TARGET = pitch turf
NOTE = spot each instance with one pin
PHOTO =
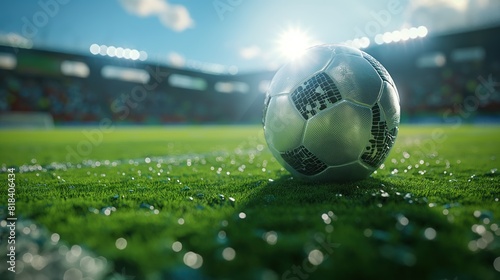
(156, 202)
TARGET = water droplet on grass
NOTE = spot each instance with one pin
(271, 237)
(121, 243)
(228, 254)
(176, 246)
(430, 233)
(315, 257)
(193, 260)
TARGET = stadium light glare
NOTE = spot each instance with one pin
(126, 53)
(405, 34)
(94, 49)
(119, 52)
(396, 36)
(134, 54)
(364, 42)
(379, 39)
(422, 31)
(103, 50)
(413, 33)
(387, 37)
(111, 51)
(143, 55)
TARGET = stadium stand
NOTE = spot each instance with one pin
(434, 75)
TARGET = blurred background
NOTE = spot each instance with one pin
(136, 62)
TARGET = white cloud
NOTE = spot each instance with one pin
(446, 15)
(175, 17)
(250, 52)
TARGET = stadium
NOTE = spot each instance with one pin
(120, 165)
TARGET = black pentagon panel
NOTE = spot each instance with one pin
(303, 161)
(380, 142)
(379, 68)
(315, 95)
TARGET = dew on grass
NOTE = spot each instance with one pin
(477, 213)
(496, 264)
(315, 257)
(221, 235)
(108, 210)
(176, 246)
(242, 215)
(221, 197)
(193, 260)
(228, 254)
(472, 245)
(402, 220)
(121, 243)
(479, 229)
(430, 233)
(26, 230)
(329, 228)
(27, 257)
(55, 238)
(271, 237)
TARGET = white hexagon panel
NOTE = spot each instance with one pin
(339, 135)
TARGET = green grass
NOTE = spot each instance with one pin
(431, 212)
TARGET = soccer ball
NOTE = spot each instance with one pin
(332, 114)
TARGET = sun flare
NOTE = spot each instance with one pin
(293, 42)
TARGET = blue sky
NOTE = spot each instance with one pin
(242, 33)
